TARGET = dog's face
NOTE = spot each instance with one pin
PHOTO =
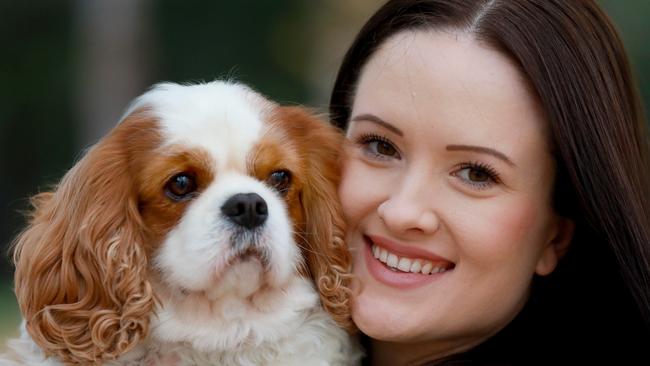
(227, 179)
(202, 192)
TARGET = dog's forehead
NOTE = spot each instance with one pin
(224, 119)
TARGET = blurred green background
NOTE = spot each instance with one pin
(70, 68)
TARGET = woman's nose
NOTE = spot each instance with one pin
(410, 209)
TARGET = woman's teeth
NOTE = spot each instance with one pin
(404, 264)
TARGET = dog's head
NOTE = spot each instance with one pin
(197, 188)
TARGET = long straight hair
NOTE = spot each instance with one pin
(576, 64)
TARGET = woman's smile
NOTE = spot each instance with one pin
(401, 266)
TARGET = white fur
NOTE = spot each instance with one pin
(223, 118)
(201, 240)
(215, 310)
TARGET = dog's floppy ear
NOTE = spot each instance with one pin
(81, 265)
(325, 250)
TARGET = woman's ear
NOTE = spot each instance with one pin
(81, 265)
(556, 247)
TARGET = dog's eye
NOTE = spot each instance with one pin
(181, 187)
(280, 180)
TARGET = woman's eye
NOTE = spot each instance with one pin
(382, 148)
(477, 175)
(280, 180)
(181, 187)
(379, 146)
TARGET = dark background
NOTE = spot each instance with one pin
(69, 68)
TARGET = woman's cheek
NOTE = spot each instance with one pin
(360, 190)
(348, 194)
(508, 229)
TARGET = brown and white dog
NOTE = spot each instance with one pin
(203, 230)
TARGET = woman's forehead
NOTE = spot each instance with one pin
(452, 85)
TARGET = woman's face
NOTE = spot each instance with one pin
(446, 189)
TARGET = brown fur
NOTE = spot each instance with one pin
(159, 213)
(315, 207)
(81, 265)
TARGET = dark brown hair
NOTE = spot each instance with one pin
(577, 66)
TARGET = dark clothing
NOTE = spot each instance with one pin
(547, 333)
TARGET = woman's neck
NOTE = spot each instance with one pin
(383, 353)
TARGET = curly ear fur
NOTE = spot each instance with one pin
(81, 264)
(326, 252)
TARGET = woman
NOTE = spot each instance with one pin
(495, 184)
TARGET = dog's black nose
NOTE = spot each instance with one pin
(246, 209)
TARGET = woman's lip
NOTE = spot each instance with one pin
(405, 251)
(396, 278)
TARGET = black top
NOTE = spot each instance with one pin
(561, 329)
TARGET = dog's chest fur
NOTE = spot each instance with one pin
(301, 333)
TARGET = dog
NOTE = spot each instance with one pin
(204, 229)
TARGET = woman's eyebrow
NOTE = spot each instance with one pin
(374, 119)
(481, 149)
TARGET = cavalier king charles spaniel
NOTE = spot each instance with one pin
(204, 229)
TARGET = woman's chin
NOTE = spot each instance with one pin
(382, 322)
